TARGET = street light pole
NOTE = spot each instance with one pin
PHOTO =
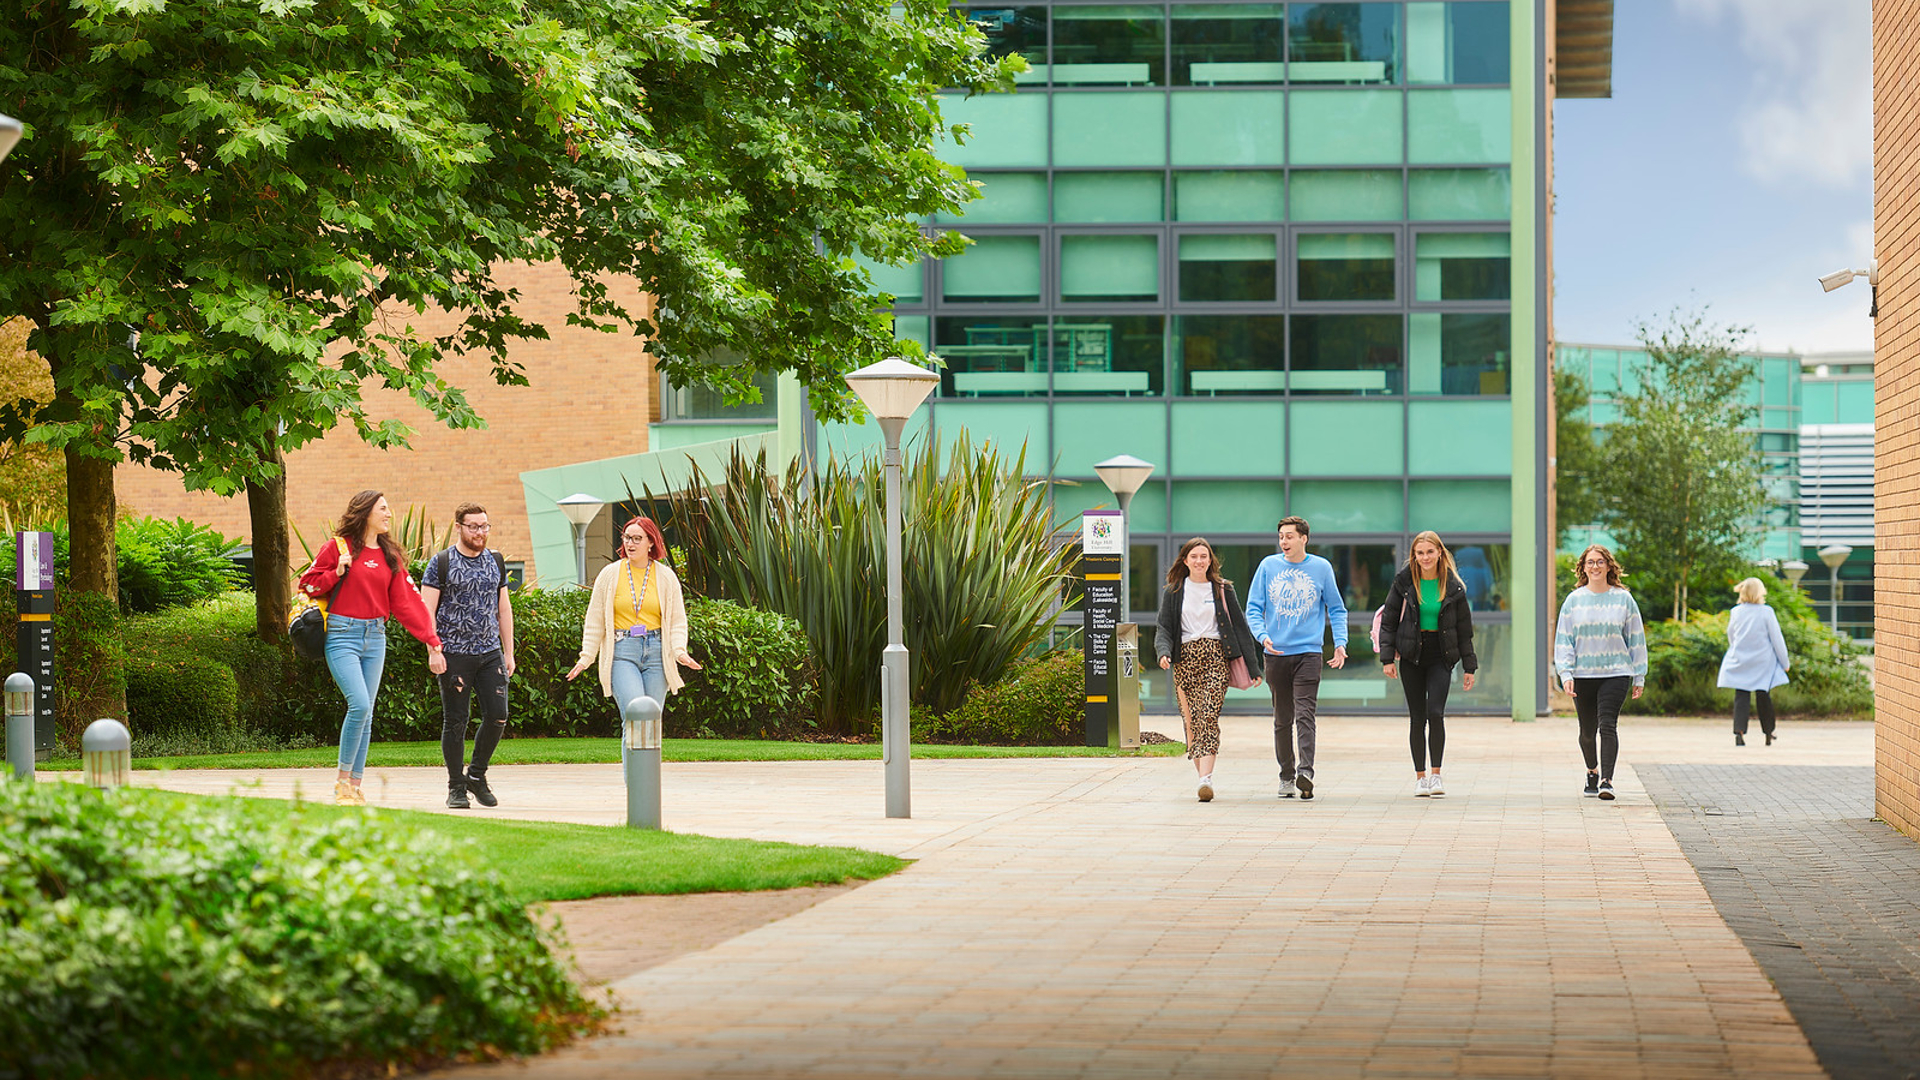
(892, 389)
(1123, 476)
(580, 509)
(1833, 555)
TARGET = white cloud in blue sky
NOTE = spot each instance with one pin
(1731, 167)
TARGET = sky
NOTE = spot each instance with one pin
(1731, 168)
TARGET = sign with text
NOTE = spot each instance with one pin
(33, 643)
(1102, 540)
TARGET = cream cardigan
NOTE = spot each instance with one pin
(597, 635)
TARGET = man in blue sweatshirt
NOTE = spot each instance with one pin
(1292, 600)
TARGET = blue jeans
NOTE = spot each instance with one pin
(639, 669)
(356, 654)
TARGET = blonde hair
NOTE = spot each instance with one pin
(1751, 591)
(1613, 565)
(1444, 568)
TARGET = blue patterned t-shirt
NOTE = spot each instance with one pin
(468, 617)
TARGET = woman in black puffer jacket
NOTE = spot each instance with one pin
(1425, 629)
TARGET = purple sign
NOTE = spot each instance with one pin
(33, 565)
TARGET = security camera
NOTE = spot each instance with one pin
(1845, 277)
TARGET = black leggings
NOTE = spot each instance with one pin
(1426, 687)
(1597, 702)
(472, 677)
(1765, 701)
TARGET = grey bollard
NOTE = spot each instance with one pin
(106, 754)
(640, 758)
(20, 690)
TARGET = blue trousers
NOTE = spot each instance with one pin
(356, 654)
(639, 669)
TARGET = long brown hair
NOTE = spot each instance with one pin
(1178, 571)
(1580, 568)
(353, 528)
(1445, 569)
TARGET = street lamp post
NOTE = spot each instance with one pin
(1123, 476)
(892, 389)
(9, 134)
(580, 510)
(1833, 555)
(1795, 570)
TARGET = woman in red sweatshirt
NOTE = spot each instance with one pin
(371, 585)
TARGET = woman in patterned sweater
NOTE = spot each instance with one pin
(1600, 650)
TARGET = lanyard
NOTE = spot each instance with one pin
(640, 597)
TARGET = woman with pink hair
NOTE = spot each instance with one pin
(636, 620)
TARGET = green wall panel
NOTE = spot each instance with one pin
(1346, 438)
(1460, 438)
(1089, 432)
(1228, 438)
(1238, 127)
(1120, 128)
(1007, 424)
(1345, 127)
(1467, 127)
(1148, 514)
(1343, 506)
(1006, 129)
(1203, 508)
(1854, 405)
(1445, 506)
(848, 441)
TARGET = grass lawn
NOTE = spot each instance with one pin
(390, 755)
(542, 860)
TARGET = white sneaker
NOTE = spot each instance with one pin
(1434, 787)
(1206, 789)
(1288, 789)
(1420, 787)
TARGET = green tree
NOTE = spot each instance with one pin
(226, 214)
(1683, 483)
(1576, 457)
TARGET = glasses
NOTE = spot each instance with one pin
(635, 539)
(476, 528)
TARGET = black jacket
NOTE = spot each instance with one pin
(1235, 635)
(1400, 624)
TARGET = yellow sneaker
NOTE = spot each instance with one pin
(344, 793)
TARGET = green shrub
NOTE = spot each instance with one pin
(1041, 701)
(160, 563)
(1683, 665)
(89, 663)
(757, 679)
(174, 693)
(155, 935)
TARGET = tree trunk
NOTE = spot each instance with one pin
(93, 568)
(272, 549)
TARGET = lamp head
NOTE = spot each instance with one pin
(579, 509)
(1123, 475)
(892, 388)
(1835, 554)
(9, 134)
(1795, 570)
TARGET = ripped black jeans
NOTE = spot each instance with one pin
(468, 676)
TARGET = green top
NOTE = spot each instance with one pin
(1429, 604)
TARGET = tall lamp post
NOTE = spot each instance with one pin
(580, 510)
(892, 389)
(1833, 555)
(1123, 476)
(9, 134)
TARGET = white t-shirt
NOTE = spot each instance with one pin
(1197, 618)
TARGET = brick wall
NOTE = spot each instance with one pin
(1896, 486)
(589, 398)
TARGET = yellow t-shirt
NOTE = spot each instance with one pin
(626, 587)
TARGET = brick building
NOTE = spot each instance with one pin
(1896, 216)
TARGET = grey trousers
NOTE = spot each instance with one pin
(1294, 682)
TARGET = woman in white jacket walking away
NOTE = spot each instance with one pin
(1756, 659)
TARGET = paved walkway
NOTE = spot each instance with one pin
(1074, 917)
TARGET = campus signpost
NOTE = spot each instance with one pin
(1103, 543)
(33, 643)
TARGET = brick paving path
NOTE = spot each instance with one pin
(1825, 898)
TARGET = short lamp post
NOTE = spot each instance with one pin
(1123, 476)
(20, 691)
(106, 754)
(1833, 555)
(580, 510)
(640, 760)
(9, 134)
(892, 389)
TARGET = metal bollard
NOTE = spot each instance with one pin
(106, 754)
(640, 758)
(20, 690)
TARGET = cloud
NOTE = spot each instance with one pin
(1809, 114)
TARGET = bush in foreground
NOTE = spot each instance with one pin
(151, 935)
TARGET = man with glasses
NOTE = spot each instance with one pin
(465, 588)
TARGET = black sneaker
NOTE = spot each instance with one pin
(457, 797)
(1606, 790)
(477, 785)
(1593, 784)
(1306, 787)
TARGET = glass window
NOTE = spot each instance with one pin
(1343, 43)
(1014, 30)
(1460, 194)
(1463, 266)
(906, 283)
(1239, 562)
(992, 355)
(1345, 354)
(1002, 130)
(1345, 266)
(1486, 569)
(913, 328)
(1014, 198)
(1446, 126)
(1229, 196)
(701, 402)
(1346, 127)
(1458, 354)
(1343, 195)
(1109, 129)
(1221, 44)
(1228, 267)
(1231, 354)
(1109, 354)
(1364, 572)
(1450, 506)
(1109, 45)
(1116, 196)
(1229, 127)
(995, 269)
(1146, 576)
(1457, 43)
(1109, 269)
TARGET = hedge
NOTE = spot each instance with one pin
(1040, 701)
